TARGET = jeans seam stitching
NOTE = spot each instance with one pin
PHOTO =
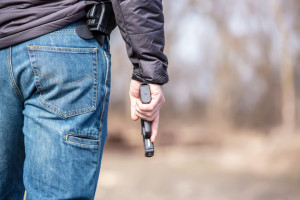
(36, 82)
(106, 91)
(102, 113)
(95, 81)
(63, 49)
(10, 68)
(66, 51)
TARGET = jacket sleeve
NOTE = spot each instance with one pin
(141, 23)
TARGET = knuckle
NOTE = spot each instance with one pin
(143, 107)
(148, 108)
(151, 107)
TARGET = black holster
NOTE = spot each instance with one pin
(100, 22)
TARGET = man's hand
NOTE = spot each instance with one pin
(150, 111)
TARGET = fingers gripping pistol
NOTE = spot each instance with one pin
(145, 97)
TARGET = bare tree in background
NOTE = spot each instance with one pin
(288, 109)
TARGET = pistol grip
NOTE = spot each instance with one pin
(145, 97)
(147, 127)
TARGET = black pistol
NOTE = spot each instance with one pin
(145, 97)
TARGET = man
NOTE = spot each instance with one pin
(55, 89)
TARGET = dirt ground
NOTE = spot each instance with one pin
(239, 168)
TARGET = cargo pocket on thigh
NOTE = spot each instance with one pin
(66, 78)
(82, 141)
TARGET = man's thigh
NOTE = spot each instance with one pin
(65, 115)
(11, 136)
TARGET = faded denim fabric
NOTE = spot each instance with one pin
(54, 93)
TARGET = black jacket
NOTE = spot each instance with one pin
(141, 23)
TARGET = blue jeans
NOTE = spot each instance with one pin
(54, 93)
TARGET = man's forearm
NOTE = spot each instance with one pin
(141, 23)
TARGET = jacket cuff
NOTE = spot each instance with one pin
(151, 72)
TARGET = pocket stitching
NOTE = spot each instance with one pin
(66, 84)
(65, 114)
(88, 145)
(34, 64)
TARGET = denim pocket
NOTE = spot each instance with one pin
(82, 141)
(66, 78)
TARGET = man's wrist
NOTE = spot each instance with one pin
(136, 78)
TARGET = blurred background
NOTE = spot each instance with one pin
(229, 129)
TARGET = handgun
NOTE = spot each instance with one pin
(145, 97)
